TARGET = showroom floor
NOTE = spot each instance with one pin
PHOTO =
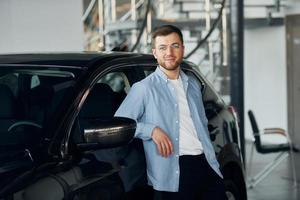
(278, 185)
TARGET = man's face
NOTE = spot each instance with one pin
(168, 51)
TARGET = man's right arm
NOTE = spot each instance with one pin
(133, 107)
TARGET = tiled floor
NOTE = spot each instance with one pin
(278, 185)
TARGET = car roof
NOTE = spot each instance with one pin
(80, 60)
(74, 59)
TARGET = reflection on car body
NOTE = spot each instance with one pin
(58, 136)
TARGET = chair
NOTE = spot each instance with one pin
(265, 143)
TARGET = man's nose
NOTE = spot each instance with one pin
(169, 50)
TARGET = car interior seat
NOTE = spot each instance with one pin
(39, 100)
(8, 111)
(100, 104)
(7, 103)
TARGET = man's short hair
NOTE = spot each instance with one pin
(165, 30)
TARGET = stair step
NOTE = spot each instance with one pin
(193, 6)
(197, 7)
(193, 1)
(188, 1)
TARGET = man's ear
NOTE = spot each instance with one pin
(154, 53)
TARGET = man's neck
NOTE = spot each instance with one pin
(171, 74)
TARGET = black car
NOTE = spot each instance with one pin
(58, 136)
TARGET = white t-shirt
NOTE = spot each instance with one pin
(189, 143)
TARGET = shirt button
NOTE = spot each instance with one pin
(175, 104)
(176, 139)
(177, 172)
(176, 121)
(177, 155)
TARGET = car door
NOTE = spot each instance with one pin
(102, 91)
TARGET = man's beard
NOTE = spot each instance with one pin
(172, 67)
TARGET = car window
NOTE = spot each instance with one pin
(103, 100)
(32, 95)
(118, 81)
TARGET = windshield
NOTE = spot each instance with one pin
(29, 97)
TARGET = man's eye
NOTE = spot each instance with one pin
(175, 46)
(162, 48)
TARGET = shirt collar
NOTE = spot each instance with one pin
(183, 76)
(160, 73)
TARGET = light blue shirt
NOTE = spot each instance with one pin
(152, 102)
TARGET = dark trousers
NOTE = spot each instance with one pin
(198, 181)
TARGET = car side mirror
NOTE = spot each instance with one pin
(99, 134)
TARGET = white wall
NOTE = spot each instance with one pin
(265, 77)
(40, 25)
(265, 73)
(293, 7)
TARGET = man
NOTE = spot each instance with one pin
(171, 121)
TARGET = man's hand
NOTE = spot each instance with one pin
(162, 141)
